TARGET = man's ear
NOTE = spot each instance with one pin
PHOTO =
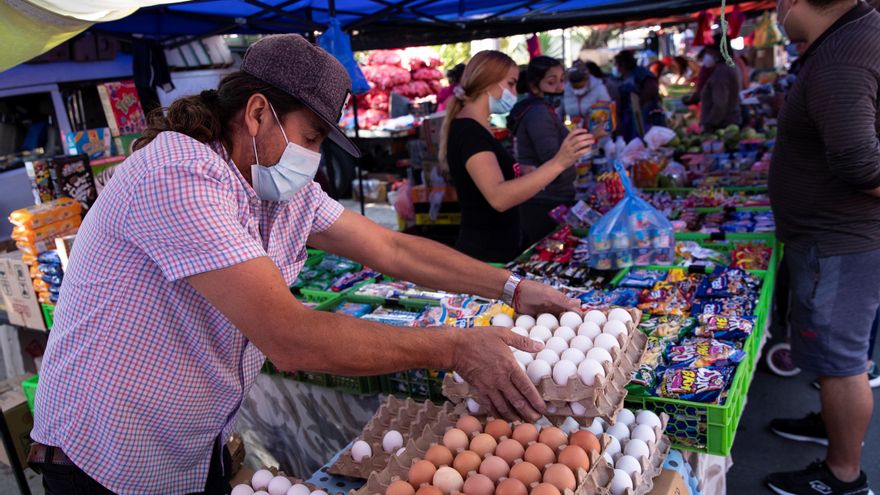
(255, 113)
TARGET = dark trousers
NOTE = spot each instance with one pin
(535, 219)
(59, 479)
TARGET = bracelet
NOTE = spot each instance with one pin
(509, 291)
(516, 298)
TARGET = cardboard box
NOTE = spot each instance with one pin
(93, 142)
(122, 107)
(669, 483)
(19, 419)
(17, 290)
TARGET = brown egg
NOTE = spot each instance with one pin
(469, 425)
(478, 484)
(525, 434)
(542, 489)
(553, 437)
(494, 467)
(574, 457)
(586, 440)
(561, 477)
(511, 486)
(455, 440)
(429, 490)
(540, 455)
(421, 472)
(439, 455)
(498, 428)
(400, 487)
(448, 480)
(526, 472)
(483, 444)
(467, 461)
(509, 450)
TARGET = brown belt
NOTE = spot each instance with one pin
(46, 454)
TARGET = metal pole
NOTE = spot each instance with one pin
(357, 135)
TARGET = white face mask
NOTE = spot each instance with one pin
(581, 91)
(295, 169)
(708, 61)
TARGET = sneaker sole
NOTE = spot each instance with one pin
(875, 382)
(780, 491)
(800, 438)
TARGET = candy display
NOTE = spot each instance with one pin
(332, 274)
(725, 327)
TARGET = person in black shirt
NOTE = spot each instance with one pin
(487, 179)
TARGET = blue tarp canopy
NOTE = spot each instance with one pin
(388, 23)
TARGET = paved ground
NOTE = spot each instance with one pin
(756, 451)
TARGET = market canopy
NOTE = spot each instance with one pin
(388, 23)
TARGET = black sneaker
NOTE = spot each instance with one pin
(817, 479)
(808, 429)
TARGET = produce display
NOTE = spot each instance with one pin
(584, 367)
(487, 456)
(413, 73)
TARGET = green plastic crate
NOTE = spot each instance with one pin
(48, 314)
(29, 387)
(419, 384)
(320, 379)
(711, 428)
(355, 385)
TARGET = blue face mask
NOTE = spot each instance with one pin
(295, 169)
(504, 104)
(615, 72)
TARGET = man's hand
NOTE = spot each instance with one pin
(534, 298)
(482, 357)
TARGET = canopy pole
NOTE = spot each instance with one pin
(357, 135)
(331, 8)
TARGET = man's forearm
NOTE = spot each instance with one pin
(337, 344)
(434, 265)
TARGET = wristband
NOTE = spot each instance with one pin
(510, 289)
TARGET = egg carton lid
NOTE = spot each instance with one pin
(431, 424)
(603, 399)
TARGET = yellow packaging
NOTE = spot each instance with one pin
(48, 232)
(37, 216)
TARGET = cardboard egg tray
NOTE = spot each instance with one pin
(277, 472)
(594, 481)
(603, 399)
(411, 419)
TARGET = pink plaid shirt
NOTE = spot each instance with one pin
(141, 373)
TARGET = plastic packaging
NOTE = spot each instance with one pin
(34, 217)
(633, 232)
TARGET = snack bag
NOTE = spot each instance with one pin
(632, 229)
(34, 217)
(725, 327)
(702, 353)
(695, 384)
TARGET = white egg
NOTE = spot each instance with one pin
(523, 357)
(644, 433)
(525, 321)
(319, 492)
(473, 406)
(573, 355)
(261, 492)
(645, 417)
(599, 354)
(570, 319)
(581, 343)
(597, 427)
(619, 431)
(596, 317)
(548, 321)
(540, 332)
(552, 409)
(563, 370)
(588, 370)
(538, 369)
(620, 483)
(360, 451)
(620, 314)
(615, 328)
(298, 489)
(626, 417)
(549, 356)
(242, 490)
(392, 441)
(502, 320)
(577, 409)
(564, 333)
(608, 459)
(279, 485)
(260, 480)
(457, 378)
(613, 447)
(637, 449)
(629, 464)
(556, 345)
(400, 451)
(520, 331)
(606, 341)
(589, 329)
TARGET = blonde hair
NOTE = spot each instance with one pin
(484, 70)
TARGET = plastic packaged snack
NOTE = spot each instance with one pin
(353, 309)
(695, 384)
(725, 327)
(46, 233)
(702, 353)
(34, 217)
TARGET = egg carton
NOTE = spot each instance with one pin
(598, 479)
(411, 419)
(603, 399)
(293, 480)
